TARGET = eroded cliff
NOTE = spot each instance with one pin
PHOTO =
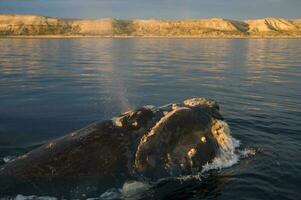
(28, 25)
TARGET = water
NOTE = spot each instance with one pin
(49, 87)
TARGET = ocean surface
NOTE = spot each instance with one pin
(50, 87)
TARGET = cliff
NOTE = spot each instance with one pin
(273, 26)
(297, 22)
(33, 25)
(28, 25)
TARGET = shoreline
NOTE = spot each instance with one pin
(142, 37)
(34, 26)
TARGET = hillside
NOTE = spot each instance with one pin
(297, 22)
(28, 25)
(33, 25)
(273, 26)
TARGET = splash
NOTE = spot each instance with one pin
(229, 154)
(7, 159)
(32, 197)
(245, 153)
(131, 190)
(226, 158)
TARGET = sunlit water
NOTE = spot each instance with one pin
(50, 87)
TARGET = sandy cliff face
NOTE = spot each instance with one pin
(32, 25)
(272, 25)
(92, 27)
(297, 22)
(200, 27)
(14, 25)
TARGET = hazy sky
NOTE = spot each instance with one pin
(129, 9)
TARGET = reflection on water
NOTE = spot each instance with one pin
(52, 86)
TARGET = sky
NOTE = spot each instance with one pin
(168, 9)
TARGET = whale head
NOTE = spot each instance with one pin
(188, 136)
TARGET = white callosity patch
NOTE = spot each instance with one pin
(203, 140)
(117, 121)
(221, 133)
(199, 102)
(191, 153)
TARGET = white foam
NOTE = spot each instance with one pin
(7, 159)
(133, 190)
(226, 158)
(110, 194)
(245, 153)
(33, 197)
(228, 155)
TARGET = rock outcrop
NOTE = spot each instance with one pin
(92, 27)
(33, 25)
(28, 25)
(215, 26)
(297, 22)
(273, 26)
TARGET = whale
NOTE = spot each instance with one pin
(147, 143)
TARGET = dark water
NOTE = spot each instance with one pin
(50, 87)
